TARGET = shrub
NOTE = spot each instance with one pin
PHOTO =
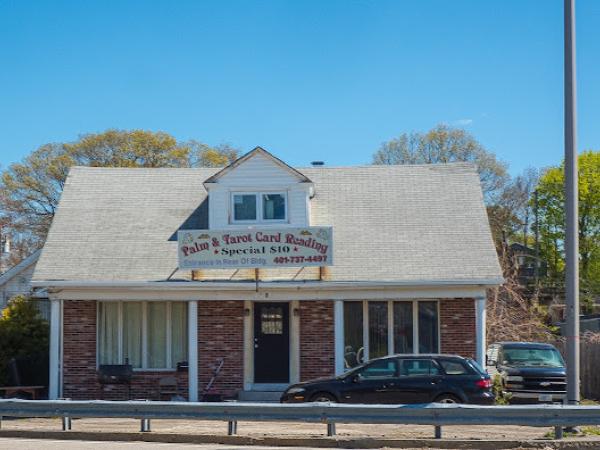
(24, 335)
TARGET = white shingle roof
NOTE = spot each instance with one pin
(391, 223)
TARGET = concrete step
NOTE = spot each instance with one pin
(259, 396)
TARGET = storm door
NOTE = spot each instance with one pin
(271, 343)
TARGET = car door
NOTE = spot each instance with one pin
(419, 381)
(371, 383)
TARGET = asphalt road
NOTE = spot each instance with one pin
(53, 444)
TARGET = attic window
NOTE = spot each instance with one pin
(262, 207)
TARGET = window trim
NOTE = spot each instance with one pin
(391, 343)
(144, 337)
(258, 196)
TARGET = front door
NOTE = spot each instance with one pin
(271, 343)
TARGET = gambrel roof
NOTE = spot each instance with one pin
(405, 224)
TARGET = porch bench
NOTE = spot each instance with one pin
(32, 390)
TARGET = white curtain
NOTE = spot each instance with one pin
(178, 332)
(132, 333)
(157, 335)
(108, 334)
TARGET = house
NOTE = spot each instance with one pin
(526, 261)
(285, 274)
(17, 281)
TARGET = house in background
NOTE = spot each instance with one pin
(17, 281)
(172, 270)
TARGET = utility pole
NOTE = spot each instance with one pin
(536, 267)
(571, 203)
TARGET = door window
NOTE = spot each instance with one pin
(418, 368)
(380, 369)
(271, 320)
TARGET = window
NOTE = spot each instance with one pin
(379, 328)
(353, 334)
(244, 207)
(147, 335)
(418, 368)
(453, 368)
(379, 369)
(262, 207)
(428, 327)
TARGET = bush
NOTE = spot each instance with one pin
(24, 337)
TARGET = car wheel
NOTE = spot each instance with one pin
(447, 398)
(323, 397)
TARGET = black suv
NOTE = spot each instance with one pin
(401, 379)
(531, 372)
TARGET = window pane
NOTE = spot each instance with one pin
(428, 327)
(403, 327)
(378, 329)
(132, 333)
(178, 332)
(353, 334)
(273, 207)
(157, 333)
(244, 207)
(380, 369)
(108, 333)
(418, 368)
(271, 320)
(454, 368)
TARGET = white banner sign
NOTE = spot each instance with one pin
(252, 248)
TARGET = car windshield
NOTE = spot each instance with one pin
(523, 356)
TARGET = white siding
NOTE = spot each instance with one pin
(19, 284)
(258, 174)
(258, 171)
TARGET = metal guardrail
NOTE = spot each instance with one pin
(434, 414)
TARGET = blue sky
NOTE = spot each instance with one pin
(307, 80)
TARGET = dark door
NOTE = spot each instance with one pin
(420, 381)
(271, 343)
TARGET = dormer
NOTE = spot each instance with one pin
(258, 189)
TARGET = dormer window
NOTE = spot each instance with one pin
(259, 207)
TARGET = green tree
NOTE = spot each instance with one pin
(23, 334)
(30, 190)
(551, 200)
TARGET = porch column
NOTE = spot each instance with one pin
(54, 376)
(480, 319)
(193, 350)
(338, 317)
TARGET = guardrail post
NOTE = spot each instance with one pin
(66, 423)
(558, 432)
(145, 425)
(331, 429)
(66, 420)
(438, 431)
(231, 427)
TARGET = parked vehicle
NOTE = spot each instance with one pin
(530, 372)
(401, 379)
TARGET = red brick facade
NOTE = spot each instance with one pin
(79, 374)
(221, 335)
(317, 348)
(457, 326)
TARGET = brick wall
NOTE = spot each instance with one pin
(317, 349)
(221, 335)
(457, 323)
(79, 375)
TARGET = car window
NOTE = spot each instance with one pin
(454, 368)
(418, 367)
(379, 369)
